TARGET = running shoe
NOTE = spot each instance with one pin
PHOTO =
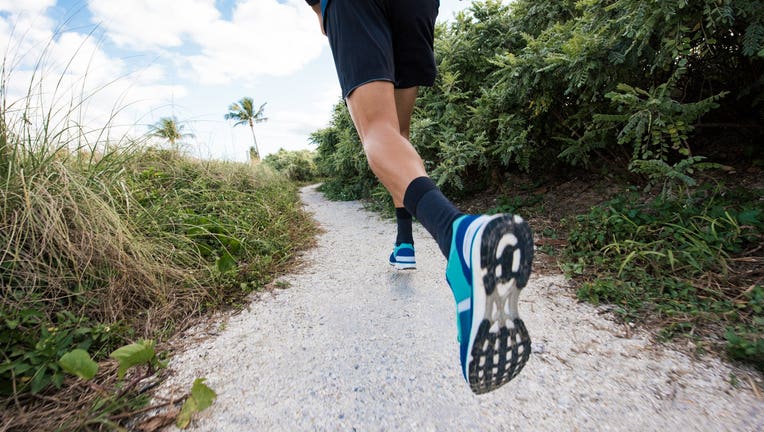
(403, 257)
(488, 266)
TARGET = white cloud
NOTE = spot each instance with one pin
(448, 8)
(29, 6)
(80, 55)
(317, 112)
(264, 37)
(23, 38)
(290, 129)
(145, 24)
(68, 79)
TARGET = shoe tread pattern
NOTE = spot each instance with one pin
(500, 351)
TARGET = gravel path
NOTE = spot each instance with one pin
(355, 345)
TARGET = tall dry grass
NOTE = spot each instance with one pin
(67, 238)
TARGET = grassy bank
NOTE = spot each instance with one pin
(102, 247)
(688, 266)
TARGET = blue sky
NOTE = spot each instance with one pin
(139, 60)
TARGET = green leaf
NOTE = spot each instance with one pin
(225, 262)
(201, 398)
(203, 394)
(58, 379)
(18, 368)
(184, 418)
(134, 354)
(40, 380)
(79, 363)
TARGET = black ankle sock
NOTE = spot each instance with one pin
(424, 200)
(404, 226)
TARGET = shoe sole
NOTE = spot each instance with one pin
(499, 344)
(405, 266)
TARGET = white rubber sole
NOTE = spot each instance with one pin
(499, 344)
(403, 266)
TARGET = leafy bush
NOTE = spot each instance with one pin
(744, 341)
(299, 166)
(604, 84)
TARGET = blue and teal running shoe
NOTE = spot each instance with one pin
(403, 257)
(488, 266)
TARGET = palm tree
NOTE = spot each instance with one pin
(253, 156)
(244, 113)
(168, 128)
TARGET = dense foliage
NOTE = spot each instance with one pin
(299, 165)
(601, 84)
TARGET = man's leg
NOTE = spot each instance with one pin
(489, 257)
(396, 163)
(404, 106)
(403, 256)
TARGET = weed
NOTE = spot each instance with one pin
(200, 399)
(734, 380)
(282, 284)
(676, 260)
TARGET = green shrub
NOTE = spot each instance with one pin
(745, 341)
(299, 166)
(610, 85)
(89, 265)
(101, 242)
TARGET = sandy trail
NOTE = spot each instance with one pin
(355, 345)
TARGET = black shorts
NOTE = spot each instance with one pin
(382, 40)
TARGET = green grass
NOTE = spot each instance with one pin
(107, 242)
(686, 264)
(93, 265)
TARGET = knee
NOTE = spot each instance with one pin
(377, 133)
